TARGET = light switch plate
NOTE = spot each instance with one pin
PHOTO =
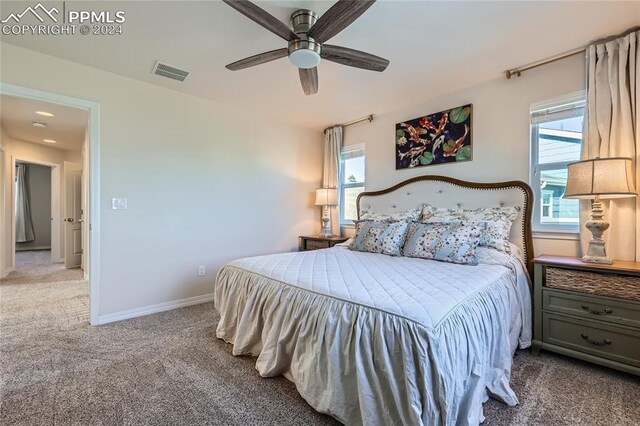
(119, 203)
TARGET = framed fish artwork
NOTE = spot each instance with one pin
(443, 137)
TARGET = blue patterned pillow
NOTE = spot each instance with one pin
(447, 242)
(407, 215)
(498, 222)
(379, 237)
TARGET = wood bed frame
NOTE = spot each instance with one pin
(524, 240)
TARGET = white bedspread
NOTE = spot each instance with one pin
(374, 339)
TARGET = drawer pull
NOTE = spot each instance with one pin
(605, 312)
(595, 342)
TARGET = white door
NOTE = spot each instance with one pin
(73, 215)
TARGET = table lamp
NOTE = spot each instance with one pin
(600, 178)
(326, 197)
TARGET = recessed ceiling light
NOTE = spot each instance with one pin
(44, 113)
(38, 124)
(49, 141)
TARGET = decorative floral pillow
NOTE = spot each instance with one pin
(379, 237)
(498, 222)
(407, 216)
(447, 242)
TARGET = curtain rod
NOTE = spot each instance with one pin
(349, 123)
(517, 72)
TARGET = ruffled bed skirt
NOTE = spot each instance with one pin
(362, 365)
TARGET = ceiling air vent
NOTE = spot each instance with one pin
(169, 71)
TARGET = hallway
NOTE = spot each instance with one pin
(36, 267)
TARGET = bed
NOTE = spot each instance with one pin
(374, 339)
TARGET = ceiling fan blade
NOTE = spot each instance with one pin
(309, 80)
(263, 18)
(258, 59)
(337, 18)
(353, 58)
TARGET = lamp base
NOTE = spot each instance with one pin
(594, 259)
(326, 224)
(597, 252)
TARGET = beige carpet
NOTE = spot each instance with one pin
(36, 267)
(169, 369)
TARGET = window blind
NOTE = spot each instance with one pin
(352, 152)
(561, 112)
(568, 107)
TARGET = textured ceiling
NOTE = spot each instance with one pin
(434, 48)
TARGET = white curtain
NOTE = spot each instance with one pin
(24, 224)
(612, 129)
(331, 173)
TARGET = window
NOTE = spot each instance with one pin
(547, 205)
(351, 184)
(556, 140)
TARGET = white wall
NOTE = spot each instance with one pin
(500, 133)
(5, 261)
(38, 179)
(205, 183)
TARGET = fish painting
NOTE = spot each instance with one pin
(443, 137)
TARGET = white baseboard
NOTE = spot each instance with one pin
(154, 309)
(6, 272)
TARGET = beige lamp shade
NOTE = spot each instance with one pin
(603, 177)
(326, 197)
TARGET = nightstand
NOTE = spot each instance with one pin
(588, 311)
(315, 242)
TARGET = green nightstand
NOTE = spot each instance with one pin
(588, 311)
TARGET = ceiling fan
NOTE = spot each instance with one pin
(307, 39)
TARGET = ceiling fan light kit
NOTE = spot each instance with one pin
(306, 46)
(304, 52)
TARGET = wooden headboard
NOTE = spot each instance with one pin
(446, 192)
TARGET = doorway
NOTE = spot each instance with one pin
(78, 197)
(34, 214)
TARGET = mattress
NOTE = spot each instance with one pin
(375, 339)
